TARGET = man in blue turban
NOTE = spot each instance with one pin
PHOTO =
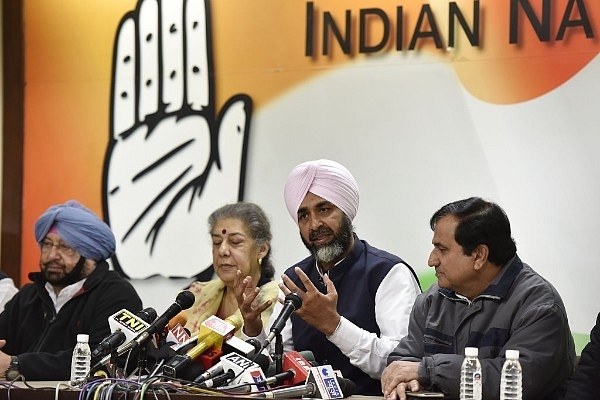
(74, 292)
(77, 230)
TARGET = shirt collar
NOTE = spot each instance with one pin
(499, 287)
(66, 294)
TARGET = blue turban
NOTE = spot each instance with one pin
(79, 228)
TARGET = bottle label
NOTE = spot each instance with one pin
(477, 387)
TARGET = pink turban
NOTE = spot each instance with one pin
(324, 178)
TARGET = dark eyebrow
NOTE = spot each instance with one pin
(318, 205)
(325, 203)
(60, 241)
(438, 245)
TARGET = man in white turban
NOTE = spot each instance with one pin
(356, 299)
(74, 292)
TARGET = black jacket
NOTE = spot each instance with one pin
(44, 340)
(585, 382)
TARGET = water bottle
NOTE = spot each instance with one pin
(470, 375)
(80, 363)
(511, 378)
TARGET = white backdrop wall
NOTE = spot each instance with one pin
(412, 155)
(418, 127)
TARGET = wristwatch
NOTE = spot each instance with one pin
(13, 369)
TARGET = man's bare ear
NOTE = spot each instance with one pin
(480, 254)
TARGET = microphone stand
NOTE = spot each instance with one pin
(142, 361)
(112, 364)
(278, 356)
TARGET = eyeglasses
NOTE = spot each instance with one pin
(62, 248)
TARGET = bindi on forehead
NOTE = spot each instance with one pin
(224, 231)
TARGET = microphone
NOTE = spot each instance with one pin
(175, 333)
(280, 378)
(309, 389)
(246, 373)
(148, 314)
(275, 380)
(291, 303)
(184, 300)
(236, 345)
(294, 361)
(348, 387)
(246, 348)
(329, 385)
(108, 344)
(256, 343)
(218, 380)
(217, 330)
(306, 357)
(179, 319)
(124, 325)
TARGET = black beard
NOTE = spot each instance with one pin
(72, 277)
(331, 252)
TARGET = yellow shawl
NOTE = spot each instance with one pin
(208, 299)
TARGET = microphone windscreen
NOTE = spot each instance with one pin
(185, 299)
(161, 353)
(263, 362)
(255, 343)
(191, 371)
(308, 356)
(348, 387)
(147, 314)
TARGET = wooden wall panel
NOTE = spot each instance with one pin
(12, 136)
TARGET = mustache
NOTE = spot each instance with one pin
(314, 235)
(53, 264)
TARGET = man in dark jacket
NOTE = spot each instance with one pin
(585, 382)
(485, 297)
(75, 292)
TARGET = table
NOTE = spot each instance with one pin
(47, 391)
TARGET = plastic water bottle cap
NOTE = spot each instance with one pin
(83, 337)
(512, 354)
(471, 351)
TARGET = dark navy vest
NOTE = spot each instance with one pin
(356, 279)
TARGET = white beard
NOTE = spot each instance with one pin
(329, 253)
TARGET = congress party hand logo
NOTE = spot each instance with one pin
(173, 157)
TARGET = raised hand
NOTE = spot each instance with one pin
(171, 159)
(247, 298)
(318, 310)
